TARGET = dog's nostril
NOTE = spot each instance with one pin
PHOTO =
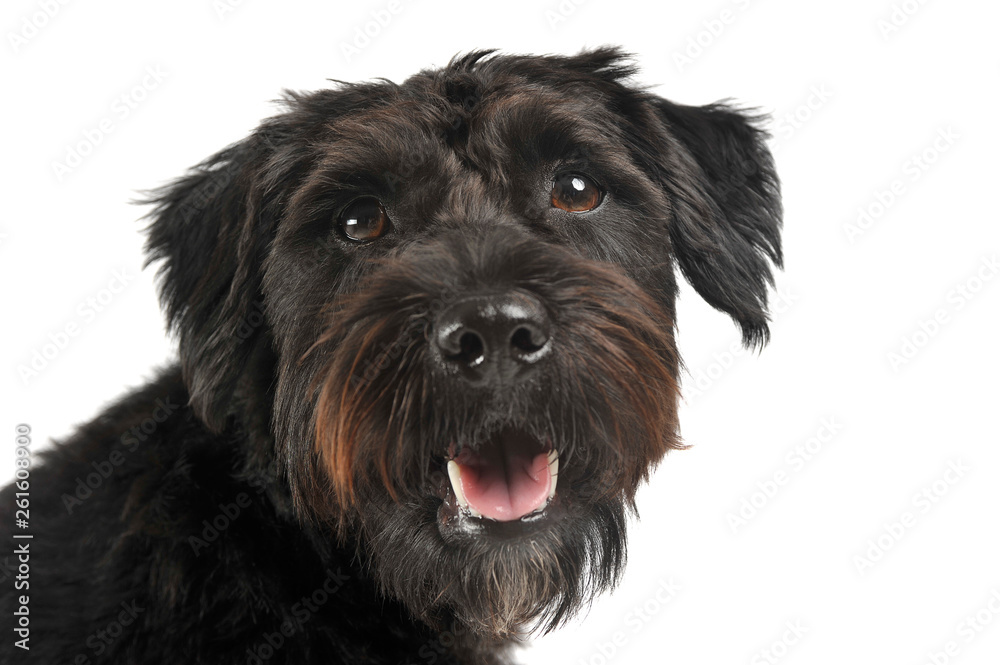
(528, 339)
(471, 349)
(461, 344)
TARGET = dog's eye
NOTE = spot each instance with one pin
(364, 219)
(574, 192)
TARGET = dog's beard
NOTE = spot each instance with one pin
(494, 588)
(384, 423)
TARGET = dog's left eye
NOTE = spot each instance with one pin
(575, 192)
(364, 219)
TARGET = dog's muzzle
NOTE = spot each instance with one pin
(473, 383)
(496, 341)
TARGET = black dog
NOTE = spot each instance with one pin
(426, 359)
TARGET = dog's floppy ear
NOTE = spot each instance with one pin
(726, 222)
(210, 229)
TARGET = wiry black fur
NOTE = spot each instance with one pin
(306, 396)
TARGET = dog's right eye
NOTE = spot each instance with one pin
(575, 192)
(364, 219)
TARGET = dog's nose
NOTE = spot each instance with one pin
(493, 338)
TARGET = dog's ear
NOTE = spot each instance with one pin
(726, 223)
(211, 230)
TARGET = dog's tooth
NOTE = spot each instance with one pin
(455, 475)
(553, 471)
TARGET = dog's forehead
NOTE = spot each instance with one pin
(483, 124)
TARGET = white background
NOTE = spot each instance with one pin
(856, 99)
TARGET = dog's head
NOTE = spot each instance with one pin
(447, 306)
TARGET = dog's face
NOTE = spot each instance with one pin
(443, 313)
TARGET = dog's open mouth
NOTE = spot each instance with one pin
(509, 476)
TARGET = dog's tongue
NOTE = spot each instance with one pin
(505, 479)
